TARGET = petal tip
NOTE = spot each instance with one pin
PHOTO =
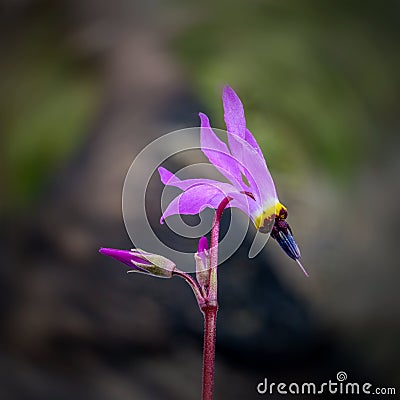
(105, 251)
(203, 244)
(204, 119)
(227, 89)
(165, 175)
(229, 93)
(161, 170)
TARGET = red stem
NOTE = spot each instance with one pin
(213, 291)
(211, 308)
(210, 329)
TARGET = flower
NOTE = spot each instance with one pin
(142, 262)
(250, 188)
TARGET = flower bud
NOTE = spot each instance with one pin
(202, 258)
(143, 262)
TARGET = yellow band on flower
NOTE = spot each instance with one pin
(265, 220)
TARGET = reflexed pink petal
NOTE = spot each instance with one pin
(245, 149)
(194, 200)
(218, 153)
(221, 189)
(236, 124)
(249, 138)
(197, 198)
(168, 178)
(233, 113)
(256, 171)
(234, 120)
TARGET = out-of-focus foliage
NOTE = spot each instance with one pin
(46, 102)
(316, 77)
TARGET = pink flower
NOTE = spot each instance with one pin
(250, 187)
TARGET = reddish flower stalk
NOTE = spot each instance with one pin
(210, 309)
(212, 297)
(197, 290)
(210, 329)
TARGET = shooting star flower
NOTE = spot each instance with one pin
(251, 187)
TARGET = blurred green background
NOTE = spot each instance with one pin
(320, 81)
(85, 85)
(320, 78)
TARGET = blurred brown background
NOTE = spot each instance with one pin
(85, 85)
